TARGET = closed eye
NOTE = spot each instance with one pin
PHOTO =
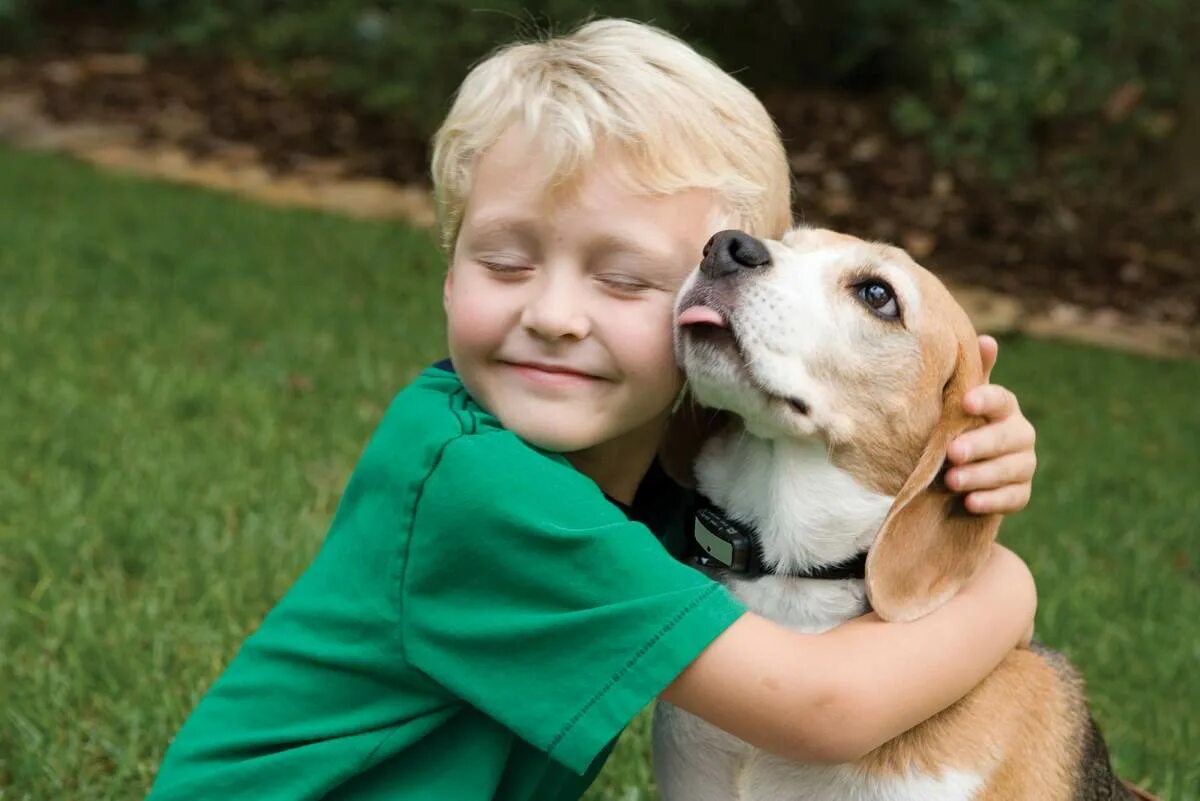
(503, 267)
(624, 283)
(879, 297)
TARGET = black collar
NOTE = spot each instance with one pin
(721, 543)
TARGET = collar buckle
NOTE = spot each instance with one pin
(718, 539)
(720, 543)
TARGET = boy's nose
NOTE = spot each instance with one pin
(731, 251)
(554, 312)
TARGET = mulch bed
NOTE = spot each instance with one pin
(1126, 244)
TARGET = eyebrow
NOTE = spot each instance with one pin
(525, 228)
(490, 226)
(614, 243)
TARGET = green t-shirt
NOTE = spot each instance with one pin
(480, 623)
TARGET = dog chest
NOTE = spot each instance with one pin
(805, 605)
(773, 779)
(695, 761)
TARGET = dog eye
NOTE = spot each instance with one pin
(880, 298)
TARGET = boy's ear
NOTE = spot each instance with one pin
(688, 428)
(446, 289)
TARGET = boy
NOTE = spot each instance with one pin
(484, 617)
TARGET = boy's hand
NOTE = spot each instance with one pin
(996, 460)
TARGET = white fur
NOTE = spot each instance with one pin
(694, 761)
(805, 336)
(808, 513)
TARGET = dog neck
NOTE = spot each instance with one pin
(807, 511)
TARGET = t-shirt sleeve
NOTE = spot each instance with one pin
(531, 597)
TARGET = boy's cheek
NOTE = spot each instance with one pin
(649, 344)
(471, 333)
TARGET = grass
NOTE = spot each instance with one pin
(188, 380)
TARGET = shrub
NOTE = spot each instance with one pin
(979, 78)
(16, 25)
(997, 71)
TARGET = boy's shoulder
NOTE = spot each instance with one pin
(426, 416)
(434, 426)
(435, 405)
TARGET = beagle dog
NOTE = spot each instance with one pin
(842, 365)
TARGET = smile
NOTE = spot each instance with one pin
(551, 375)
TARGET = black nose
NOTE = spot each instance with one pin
(730, 251)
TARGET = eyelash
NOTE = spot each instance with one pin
(624, 283)
(501, 268)
(619, 283)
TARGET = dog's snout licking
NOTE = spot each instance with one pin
(701, 315)
(730, 252)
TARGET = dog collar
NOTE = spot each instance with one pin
(721, 543)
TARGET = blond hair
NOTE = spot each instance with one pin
(681, 121)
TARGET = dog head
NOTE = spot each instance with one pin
(824, 336)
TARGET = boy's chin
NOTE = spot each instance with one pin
(558, 438)
(567, 433)
(573, 428)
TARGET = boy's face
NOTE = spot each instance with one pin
(560, 313)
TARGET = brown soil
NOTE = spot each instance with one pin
(1118, 254)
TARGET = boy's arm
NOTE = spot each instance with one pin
(836, 696)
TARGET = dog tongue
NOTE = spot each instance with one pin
(701, 315)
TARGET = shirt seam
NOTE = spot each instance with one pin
(457, 405)
(616, 678)
(459, 394)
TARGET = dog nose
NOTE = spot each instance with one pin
(730, 251)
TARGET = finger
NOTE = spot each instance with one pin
(1003, 501)
(991, 401)
(1013, 435)
(1014, 468)
(989, 349)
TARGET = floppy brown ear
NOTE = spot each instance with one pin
(688, 429)
(929, 544)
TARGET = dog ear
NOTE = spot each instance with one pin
(929, 545)
(688, 428)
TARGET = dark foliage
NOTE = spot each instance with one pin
(985, 81)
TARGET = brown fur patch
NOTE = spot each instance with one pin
(892, 422)
(891, 431)
(1020, 730)
(929, 545)
(1024, 729)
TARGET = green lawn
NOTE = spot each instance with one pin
(188, 379)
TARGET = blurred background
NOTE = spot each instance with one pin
(189, 374)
